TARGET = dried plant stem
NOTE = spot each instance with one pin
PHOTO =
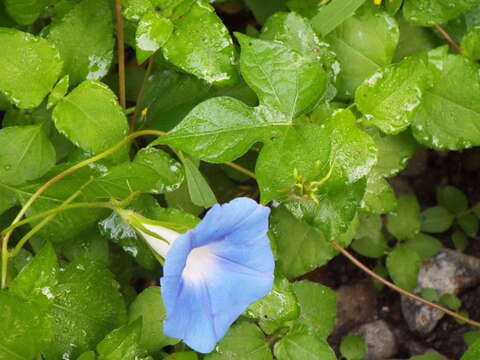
(357, 263)
(120, 53)
(448, 38)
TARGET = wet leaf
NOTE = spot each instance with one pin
(449, 114)
(428, 12)
(302, 346)
(153, 32)
(26, 153)
(29, 68)
(93, 126)
(282, 77)
(405, 222)
(389, 98)
(403, 265)
(87, 307)
(84, 37)
(363, 43)
(243, 340)
(201, 45)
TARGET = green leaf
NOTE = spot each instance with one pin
(334, 14)
(201, 45)
(66, 224)
(169, 96)
(26, 153)
(25, 331)
(452, 199)
(7, 199)
(244, 340)
(263, 9)
(403, 265)
(121, 180)
(58, 92)
(436, 219)
(424, 245)
(379, 196)
(89, 244)
(84, 37)
(25, 12)
(93, 126)
(38, 278)
(334, 212)
(428, 356)
(282, 78)
(405, 222)
(222, 129)
(469, 223)
(473, 352)
(353, 347)
(183, 355)
(369, 239)
(169, 171)
(277, 307)
(451, 301)
(303, 347)
(363, 43)
(29, 68)
(148, 306)
(122, 343)
(317, 305)
(470, 44)
(200, 192)
(306, 8)
(428, 12)
(89, 355)
(153, 32)
(436, 123)
(470, 337)
(301, 156)
(308, 251)
(429, 294)
(459, 240)
(413, 39)
(389, 98)
(87, 306)
(296, 32)
(353, 152)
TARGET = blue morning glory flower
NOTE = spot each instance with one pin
(213, 272)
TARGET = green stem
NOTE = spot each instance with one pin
(52, 181)
(241, 169)
(130, 110)
(142, 92)
(120, 53)
(46, 220)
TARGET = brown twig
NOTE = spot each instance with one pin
(120, 53)
(448, 38)
(357, 263)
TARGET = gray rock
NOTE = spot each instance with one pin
(448, 272)
(379, 340)
(356, 305)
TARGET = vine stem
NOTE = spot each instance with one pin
(142, 92)
(448, 37)
(240, 169)
(361, 266)
(120, 53)
(52, 181)
(47, 219)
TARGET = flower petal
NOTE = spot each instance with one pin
(214, 272)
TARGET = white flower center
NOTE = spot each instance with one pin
(200, 263)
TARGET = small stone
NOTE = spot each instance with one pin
(379, 340)
(448, 272)
(356, 305)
